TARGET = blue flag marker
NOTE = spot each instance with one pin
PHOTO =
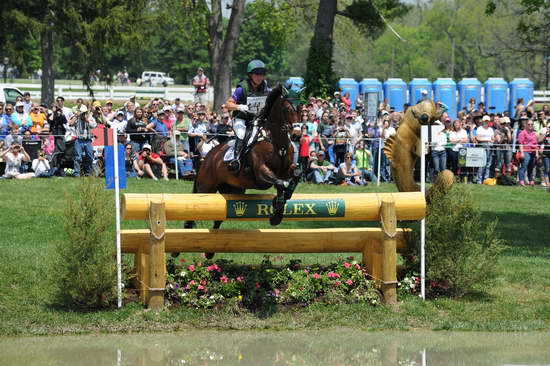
(110, 167)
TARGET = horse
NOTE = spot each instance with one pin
(267, 163)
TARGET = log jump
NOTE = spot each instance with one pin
(379, 246)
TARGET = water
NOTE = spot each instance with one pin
(334, 347)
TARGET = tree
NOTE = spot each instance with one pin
(367, 15)
(92, 28)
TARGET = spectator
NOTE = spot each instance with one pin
(484, 137)
(362, 161)
(197, 130)
(438, 153)
(341, 137)
(67, 112)
(387, 131)
(41, 165)
(503, 140)
(224, 131)
(119, 122)
(174, 147)
(201, 83)
(303, 155)
(58, 121)
(108, 113)
(137, 129)
(129, 158)
(205, 145)
(84, 153)
(182, 126)
(20, 118)
(457, 138)
(38, 118)
(529, 151)
(148, 160)
(545, 152)
(348, 172)
(347, 101)
(322, 169)
(27, 102)
(14, 138)
(130, 109)
(14, 156)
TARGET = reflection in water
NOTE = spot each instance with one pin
(334, 347)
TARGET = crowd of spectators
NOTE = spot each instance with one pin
(334, 144)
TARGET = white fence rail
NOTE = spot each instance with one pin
(102, 92)
(186, 93)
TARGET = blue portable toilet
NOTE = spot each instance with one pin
(416, 86)
(445, 92)
(520, 88)
(395, 91)
(468, 88)
(371, 86)
(295, 82)
(351, 86)
(496, 95)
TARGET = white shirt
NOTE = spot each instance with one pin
(13, 164)
(439, 141)
(484, 135)
(460, 135)
(40, 166)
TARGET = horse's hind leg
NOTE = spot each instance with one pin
(294, 180)
(278, 205)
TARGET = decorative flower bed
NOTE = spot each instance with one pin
(206, 284)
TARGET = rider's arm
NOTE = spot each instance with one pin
(232, 103)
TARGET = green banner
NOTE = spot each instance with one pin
(242, 209)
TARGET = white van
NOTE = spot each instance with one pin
(9, 93)
(153, 78)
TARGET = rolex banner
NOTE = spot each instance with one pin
(243, 209)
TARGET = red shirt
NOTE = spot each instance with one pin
(304, 146)
(528, 140)
(153, 156)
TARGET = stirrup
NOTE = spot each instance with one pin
(234, 166)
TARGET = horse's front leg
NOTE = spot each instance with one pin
(295, 174)
(266, 176)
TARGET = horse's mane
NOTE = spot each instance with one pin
(270, 101)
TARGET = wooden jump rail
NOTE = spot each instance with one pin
(377, 245)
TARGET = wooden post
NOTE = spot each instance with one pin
(157, 260)
(142, 270)
(389, 253)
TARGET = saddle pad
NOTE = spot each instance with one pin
(230, 146)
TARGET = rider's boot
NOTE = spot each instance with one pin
(235, 164)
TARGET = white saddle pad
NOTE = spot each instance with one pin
(230, 152)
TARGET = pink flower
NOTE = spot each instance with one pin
(191, 268)
(239, 279)
(306, 270)
(350, 258)
(204, 282)
(199, 264)
(192, 282)
(213, 267)
(333, 275)
(200, 288)
(224, 279)
(347, 265)
(357, 266)
(349, 282)
(337, 283)
(316, 276)
(257, 285)
(276, 292)
(183, 260)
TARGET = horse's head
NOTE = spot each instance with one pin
(279, 111)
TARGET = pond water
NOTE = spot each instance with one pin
(333, 347)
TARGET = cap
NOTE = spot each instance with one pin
(83, 108)
(337, 93)
(167, 108)
(321, 152)
(97, 103)
(424, 92)
(120, 113)
(19, 104)
(200, 69)
(505, 120)
(146, 146)
(384, 113)
(109, 101)
(486, 118)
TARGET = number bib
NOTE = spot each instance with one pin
(255, 104)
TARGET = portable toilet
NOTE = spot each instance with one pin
(295, 82)
(445, 92)
(351, 86)
(468, 88)
(371, 86)
(395, 91)
(416, 86)
(496, 95)
(520, 88)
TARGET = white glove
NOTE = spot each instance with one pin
(242, 107)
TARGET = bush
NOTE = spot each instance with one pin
(462, 249)
(85, 268)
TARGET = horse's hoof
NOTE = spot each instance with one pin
(276, 219)
(209, 255)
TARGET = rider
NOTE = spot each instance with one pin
(247, 100)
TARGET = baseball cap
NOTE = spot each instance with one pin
(97, 103)
(120, 113)
(167, 108)
(486, 118)
(321, 152)
(83, 108)
(337, 93)
(505, 120)
(109, 102)
(146, 146)
(19, 104)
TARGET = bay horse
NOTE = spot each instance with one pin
(267, 163)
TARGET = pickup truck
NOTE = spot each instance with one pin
(9, 93)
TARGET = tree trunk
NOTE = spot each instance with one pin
(325, 23)
(48, 79)
(222, 49)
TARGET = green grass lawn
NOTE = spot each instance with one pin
(31, 225)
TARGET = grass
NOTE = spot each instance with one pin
(31, 225)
